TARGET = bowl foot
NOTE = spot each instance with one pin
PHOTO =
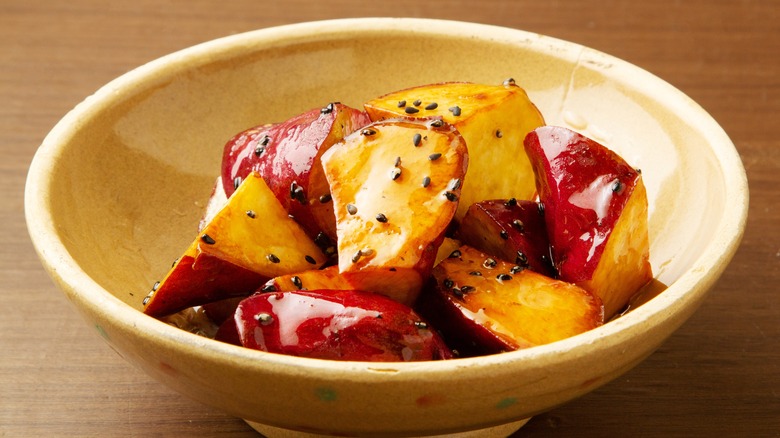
(501, 431)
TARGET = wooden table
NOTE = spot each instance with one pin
(718, 376)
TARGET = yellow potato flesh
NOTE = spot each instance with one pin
(393, 202)
(624, 267)
(493, 119)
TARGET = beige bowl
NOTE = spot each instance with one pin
(116, 189)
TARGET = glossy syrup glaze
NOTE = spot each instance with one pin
(585, 183)
(339, 325)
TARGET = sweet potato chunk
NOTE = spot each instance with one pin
(287, 155)
(484, 306)
(596, 213)
(493, 119)
(336, 325)
(395, 187)
(236, 252)
(511, 230)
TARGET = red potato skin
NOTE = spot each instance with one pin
(209, 277)
(228, 333)
(464, 336)
(287, 155)
(486, 222)
(336, 325)
(219, 311)
(568, 166)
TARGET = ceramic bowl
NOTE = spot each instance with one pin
(117, 187)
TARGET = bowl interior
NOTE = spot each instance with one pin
(116, 191)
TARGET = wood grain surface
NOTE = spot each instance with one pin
(719, 375)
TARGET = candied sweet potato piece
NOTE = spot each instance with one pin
(287, 155)
(493, 119)
(512, 230)
(596, 213)
(395, 186)
(337, 325)
(236, 252)
(484, 306)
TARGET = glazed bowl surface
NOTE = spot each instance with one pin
(117, 187)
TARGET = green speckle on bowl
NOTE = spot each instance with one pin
(326, 394)
(102, 332)
(505, 403)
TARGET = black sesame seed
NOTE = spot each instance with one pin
(521, 259)
(397, 162)
(455, 254)
(448, 283)
(417, 102)
(639, 171)
(310, 259)
(617, 186)
(251, 214)
(401, 103)
(155, 286)
(518, 225)
(417, 139)
(499, 134)
(457, 292)
(264, 318)
(324, 199)
(368, 132)
(296, 192)
(296, 281)
(265, 140)
(475, 273)
(467, 289)
(426, 181)
(322, 241)
(515, 269)
(509, 81)
(381, 218)
(434, 157)
(351, 209)
(146, 300)
(504, 235)
(268, 288)
(451, 196)
(454, 184)
(272, 258)
(455, 110)
(503, 277)
(237, 182)
(259, 150)
(208, 240)
(438, 123)
(432, 106)
(511, 202)
(489, 263)
(357, 256)
(328, 109)
(411, 110)
(395, 173)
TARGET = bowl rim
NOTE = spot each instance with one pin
(689, 287)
